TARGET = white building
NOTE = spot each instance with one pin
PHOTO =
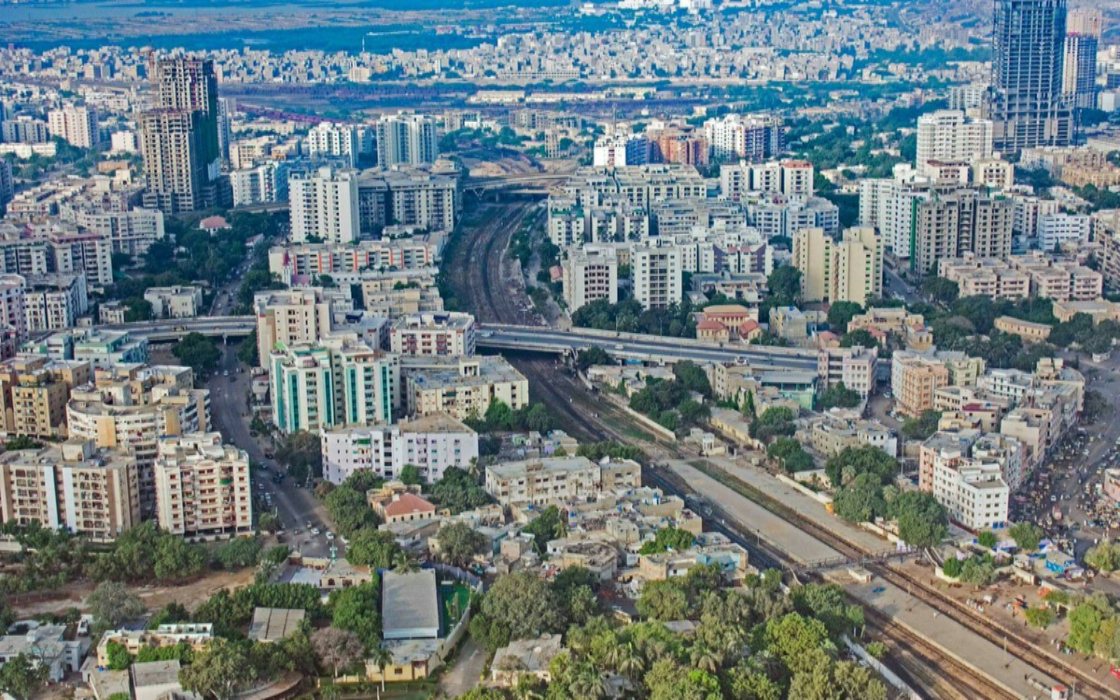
(123, 142)
(657, 276)
(749, 137)
(430, 443)
(174, 302)
(620, 150)
(590, 274)
(290, 316)
(947, 136)
(54, 301)
(434, 334)
(972, 490)
(324, 206)
(75, 125)
(1054, 229)
(408, 139)
(335, 140)
(261, 184)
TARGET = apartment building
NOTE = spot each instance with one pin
(838, 429)
(54, 301)
(342, 141)
(915, 380)
(203, 488)
(423, 197)
(174, 302)
(259, 184)
(753, 137)
(324, 206)
(290, 317)
(13, 313)
(300, 264)
(557, 480)
(854, 367)
(130, 232)
(948, 136)
(964, 221)
(430, 443)
(34, 391)
(620, 151)
(462, 386)
(657, 276)
(849, 269)
(75, 125)
(434, 334)
(1056, 229)
(590, 274)
(71, 486)
(408, 139)
(971, 489)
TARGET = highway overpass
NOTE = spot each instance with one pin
(626, 346)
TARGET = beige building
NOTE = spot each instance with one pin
(555, 480)
(197, 635)
(1099, 310)
(883, 323)
(34, 392)
(289, 317)
(445, 333)
(840, 428)
(71, 486)
(203, 487)
(462, 386)
(915, 380)
(657, 276)
(1028, 331)
(961, 222)
(849, 269)
(854, 367)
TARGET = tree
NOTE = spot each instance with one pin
(248, 352)
(693, 378)
(791, 454)
(349, 511)
(1026, 536)
(197, 352)
(1040, 617)
(113, 603)
(774, 422)
(410, 476)
(589, 357)
(978, 571)
(355, 609)
(302, 452)
(239, 553)
(23, 676)
(1104, 556)
(522, 606)
(986, 539)
(547, 526)
(921, 427)
(922, 521)
(785, 282)
(338, 649)
(840, 314)
(838, 396)
(668, 539)
(860, 500)
(457, 491)
(459, 543)
(269, 522)
(861, 337)
(220, 672)
(940, 290)
(119, 657)
(853, 461)
(664, 600)
(372, 548)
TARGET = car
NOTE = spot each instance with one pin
(226, 373)
(315, 531)
(330, 536)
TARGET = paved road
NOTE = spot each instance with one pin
(230, 415)
(464, 675)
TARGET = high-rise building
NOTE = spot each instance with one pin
(849, 269)
(203, 487)
(324, 205)
(290, 316)
(74, 125)
(590, 274)
(1025, 103)
(751, 137)
(408, 139)
(179, 138)
(946, 136)
(429, 443)
(961, 222)
(7, 184)
(1079, 69)
(657, 276)
(267, 182)
(334, 140)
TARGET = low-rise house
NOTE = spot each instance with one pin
(49, 644)
(410, 605)
(525, 657)
(197, 635)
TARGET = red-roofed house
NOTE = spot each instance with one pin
(749, 330)
(404, 507)
(714, 331)
(213, 224)
(556, 273)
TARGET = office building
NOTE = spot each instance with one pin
(430, 443)
(1025, 103)
(203, 487)
(76, 126)
(73, 487)
(406, 139)
(1079, 67)
(324, 206)
(656, 274)
(849, 269)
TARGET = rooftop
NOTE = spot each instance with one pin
(409, 602)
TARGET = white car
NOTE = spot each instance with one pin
(330, 536)
(314, 531)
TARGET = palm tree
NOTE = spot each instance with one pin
(404, 564)
(382, 657)
(706, 659)
(627, 661)
(588, 685)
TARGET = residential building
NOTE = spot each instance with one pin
(34, 391)
(290, 317)
(196, 635)
(1079, 66)
(620, 151)
(745, 137)
(837, 429)
(430, 443)
(972, 489)
(590, 274)
(554, 480)
(1056, 229)
(408, 139)
(54, 301)
(1025, 102)
(525, 658)
(657, 276)
(443, 333)
(948, 136)
(854, 367)
(907, 329)
(335, 140)
(461, 386)
(72, 487)
(789, 322)
(324, 206)
(849, 269)
(962, 222)
(203, 487)
(259, 184)
(915, 380)
(425, 197)
(174, 302)
(75, 125)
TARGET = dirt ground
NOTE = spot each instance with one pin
(190, 595)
